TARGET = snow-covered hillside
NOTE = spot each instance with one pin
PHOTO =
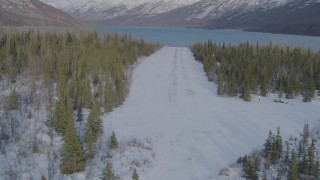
(194, 132)
(102, 10)
(298, 17)
(32, 12)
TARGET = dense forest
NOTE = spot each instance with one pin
(246, 69)
(76, 70)
(294, 159)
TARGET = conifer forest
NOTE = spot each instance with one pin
(75, 70)
(246, 69)
(292, 159)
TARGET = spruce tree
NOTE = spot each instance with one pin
(293, 171)
(108, 173)
(72, 157)
(246, 90)
(277, 147)
(309, 90)
(94, 127)
(85, 93)
(74, 88)
(135, 175)
(287, 152)
(79, 115)
(62, 113)
(268, 146)
(113, 142)
(250, 168)
(305, 135)
(311, 162)
(220, 82)
(12, 100)
(109, 98)
(316, 171)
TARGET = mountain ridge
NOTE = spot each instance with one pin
(296, 17)
(32, 12)
(142, 8)
(276, 16)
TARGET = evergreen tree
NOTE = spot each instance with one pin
(311, 162)
(287, 152)
(108, 173)
(305, 135)
(309, 90)
(94, 127)
(246, 90)
(79, 115)
(109, 98)
(220, 82)
(316, 171)
(74, 89)
(293, 171)
(302, 159)
(86, 96)
(135, 175)
(62, 114)
(277, 147)
(113, 142)
(268, 145)
(12, 100)
(249, 168)
(281, 85)
(72, 157)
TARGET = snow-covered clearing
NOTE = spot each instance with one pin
(195, 132)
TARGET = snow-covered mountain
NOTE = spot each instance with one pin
(295, 17)
(104, 10)
(194, 13)
(32, 12)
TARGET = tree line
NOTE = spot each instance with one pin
(292, 160)
(77, 70)
(246, 69)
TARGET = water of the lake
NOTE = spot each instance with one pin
(180, 37)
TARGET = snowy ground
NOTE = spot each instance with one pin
(194, 132)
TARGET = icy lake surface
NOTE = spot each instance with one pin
(181, 37)
(194, 132)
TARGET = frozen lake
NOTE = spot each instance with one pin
(181, 37)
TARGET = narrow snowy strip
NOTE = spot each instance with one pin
(195, 133)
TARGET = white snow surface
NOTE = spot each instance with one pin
(195, 132)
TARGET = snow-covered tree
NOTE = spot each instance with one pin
(113, 142)
(108, 173)
(12, 100)
(293, 171)
(135, 175)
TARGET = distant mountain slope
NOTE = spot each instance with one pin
(109, 9)
(137, 9)
(193, 15)
(298, 17)
(279, 16)
(32, 12)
